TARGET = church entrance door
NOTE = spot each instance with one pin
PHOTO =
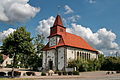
(50, 65)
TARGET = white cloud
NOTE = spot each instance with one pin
(68, 9)
(102, 39)
(6, 33)
(16, 10)
(44, 26)
(74, 18)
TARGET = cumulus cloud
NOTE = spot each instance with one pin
(16, 10)
(6, 33)
(74, 18)
(68, 9)
(102, 39)
(44, 26)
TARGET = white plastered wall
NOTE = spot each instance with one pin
(44, 59)
(61, 58)
(70, 53)
(51, 56)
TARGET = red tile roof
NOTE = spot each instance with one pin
(72, 40)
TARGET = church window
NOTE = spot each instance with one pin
(80, 54)
(89, 56)
(61, 30)
(77, 54)
(85, 56)
(59, 51)
(72, 51)
(48, 56)
(53, 30)
(62, 57)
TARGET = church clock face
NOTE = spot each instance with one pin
(53, 41)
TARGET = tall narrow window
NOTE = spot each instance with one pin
(85, 56)
(78, 55)
(61, 30)
(89, 56)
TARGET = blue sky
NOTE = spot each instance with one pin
(92, 14)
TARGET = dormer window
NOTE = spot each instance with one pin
(61, 30)
(53, 30)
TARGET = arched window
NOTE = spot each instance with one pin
(89, 55)
(85, 56)
(82, 55)
(78, 55)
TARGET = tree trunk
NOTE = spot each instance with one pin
(14, 58)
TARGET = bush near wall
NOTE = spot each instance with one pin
(30, 73)
(64, 73)
(43, 74)
(2, 73)
(75, 72)
(59, 73)
(16, 73)
(70, 73)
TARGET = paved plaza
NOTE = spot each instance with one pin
(94, 75)
(98, 75)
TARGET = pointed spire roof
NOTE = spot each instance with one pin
(58, 21)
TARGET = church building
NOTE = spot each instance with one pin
(63, 46)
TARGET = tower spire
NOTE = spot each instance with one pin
(58, 21)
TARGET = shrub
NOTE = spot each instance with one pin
(10, 73)
(16, 73)
(43, 74)
(56, 72)
(8, 66)
(24, 74)
(64, 73)
(70, 73)
(75, 72)
(59, 73)
(30, 73)
(2, 73)
(117, 71)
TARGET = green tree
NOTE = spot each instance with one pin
(39, 43)
(18, 42)
(1, 58)
(35, 60)
(111, 63)
(80, 64)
